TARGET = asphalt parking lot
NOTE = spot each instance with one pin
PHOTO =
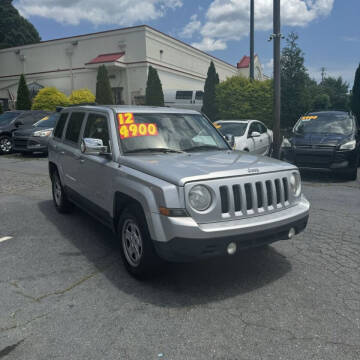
(64, 293)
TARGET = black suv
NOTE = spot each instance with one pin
(13, 120)
(328, 140)
(36, 138)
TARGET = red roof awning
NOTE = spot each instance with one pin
(106, 58)
(244, 62)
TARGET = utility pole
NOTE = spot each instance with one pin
(252, 30)
(277, 79)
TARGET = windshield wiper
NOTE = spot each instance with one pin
(203, 147)
(163, 150)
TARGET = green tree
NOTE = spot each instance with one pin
(355, 96)
(23, 99)
(321, 102)
(240, 98)
(294, 81)
(49, 98)
(337, 90)
(104, 94)
(14, 29)
(81, 96)
(209, 107)
(154, 95)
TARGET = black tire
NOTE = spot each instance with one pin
(137, 250)
(351, 174)
(6, 144)
(62, 204)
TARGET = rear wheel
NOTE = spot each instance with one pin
(6, 144)
(62, 204)
(137, 250)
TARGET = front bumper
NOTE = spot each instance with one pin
(185, 240)
(30, 143)
(326, 159)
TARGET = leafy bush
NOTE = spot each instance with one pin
(49, 98)
(240, 98)
(321, 102)
(81, 96)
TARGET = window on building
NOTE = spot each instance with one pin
(199, 95)
(60, 126)
(74, 127)
(117, 95)
(184, 95)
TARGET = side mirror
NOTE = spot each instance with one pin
(230, 139)
(92, 146)
(255, 134)
(18, 123)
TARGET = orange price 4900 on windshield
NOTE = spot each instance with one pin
(128, 128)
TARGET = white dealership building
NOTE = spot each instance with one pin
(71, 63)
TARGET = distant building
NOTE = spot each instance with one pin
(244, 67)
(71, 63)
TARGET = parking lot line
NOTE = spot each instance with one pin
(4, 238)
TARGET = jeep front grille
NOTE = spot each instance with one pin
(254, 197)
(245, 196)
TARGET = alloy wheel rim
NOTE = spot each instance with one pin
(132, 242)
(57, 190)
(5, 145)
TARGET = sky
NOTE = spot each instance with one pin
(329, 32)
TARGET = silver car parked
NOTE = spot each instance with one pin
(169, 185)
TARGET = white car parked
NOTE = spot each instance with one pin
(249, 135)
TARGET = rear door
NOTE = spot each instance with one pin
(70, 151)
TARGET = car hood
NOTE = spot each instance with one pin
(179, 169)
(319, 139)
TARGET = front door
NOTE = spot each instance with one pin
(96, 171)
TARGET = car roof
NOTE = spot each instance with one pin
(133, 109)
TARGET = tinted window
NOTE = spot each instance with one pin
(7, 118)
(184, 95)
(325, 124)
(60, 126)
(262, 128)
(26, 118)
(199, 95)
(97, 128)
(48, 121)
(236, 129)
(74, 127)
(253, 127)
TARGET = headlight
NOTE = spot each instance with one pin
(200, 198)
(286, 143)
(295, 184)
(351, 145)
(42, 133)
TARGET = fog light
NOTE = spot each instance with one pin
(231, 249)
(292, 233)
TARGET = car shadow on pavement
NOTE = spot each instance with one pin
(178, 285)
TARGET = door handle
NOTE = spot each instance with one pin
(62, 152)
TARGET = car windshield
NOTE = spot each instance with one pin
(168, 133)
(325, 124)
(7, 118)
(236, 129)
(48, 121)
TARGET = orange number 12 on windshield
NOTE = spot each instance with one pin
(126, 118)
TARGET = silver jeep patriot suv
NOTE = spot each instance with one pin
(169, 185)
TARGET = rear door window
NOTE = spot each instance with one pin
(74, 127)
(60, 126)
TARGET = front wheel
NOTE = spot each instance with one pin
(137, 250)
(351, 175)
(6, 145)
